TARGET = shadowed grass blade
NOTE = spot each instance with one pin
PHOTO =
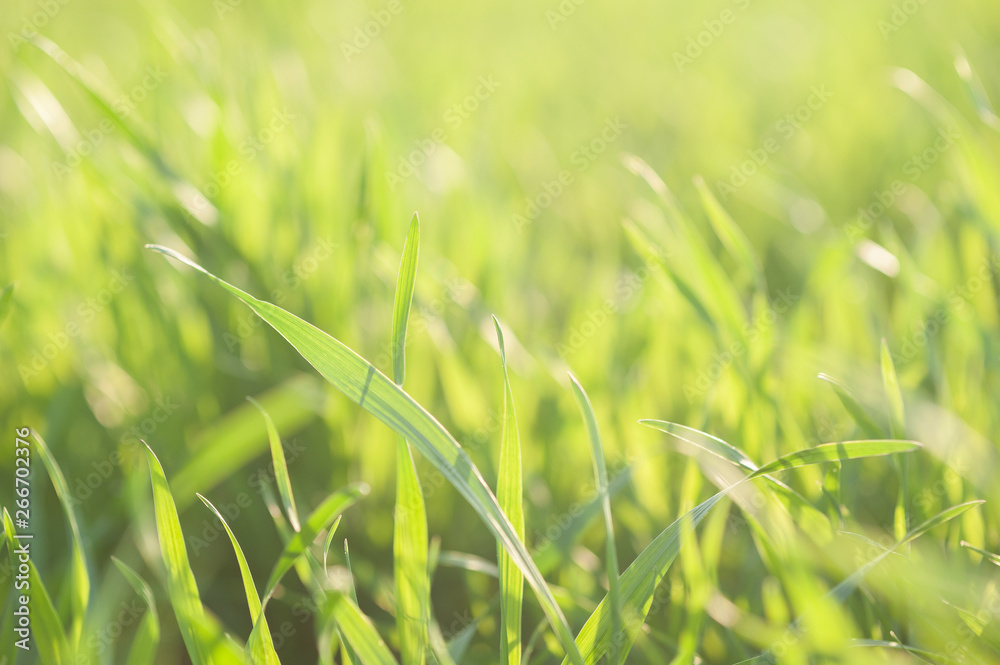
(265, 651)
(181, 584)
(511, 498)
(601, 478)
(46, 632)
(361, 382)
(280, 468)
(147, 637)
(359, 633)
(79, 577)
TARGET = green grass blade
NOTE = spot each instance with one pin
(404, 296)
(641, 578)
(601, 477)
(359, 633)
(329, 540)
(705, 441)
(361, 382)
(897, 427)
(731, 235)
(835, 452)
(280, 468)
(854, 407)
(264, 650)
(409, 543)
(6, 300)
(79, 577)
(511, 498)
(182, 587)
(147, 637)
(46, 628)
(989, 556)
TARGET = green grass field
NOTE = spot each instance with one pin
(690, 354)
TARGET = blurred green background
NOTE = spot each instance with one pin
(285, 147)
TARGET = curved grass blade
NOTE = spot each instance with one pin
(409, 543)
(79, 578)
(923, 654)
(147, 637)
(989, 556)
(511, 498)
(641, 578)
(280, 468)
(264, 652)
(601, 477)
(46, 628)
(181, 584)
(358, 631)
(731, 235)
(329, 540)
(361, 382)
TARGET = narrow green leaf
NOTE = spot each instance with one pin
(731, 235)
(264, 651)
(329, 540)
(361, 382)
(181, 585)
(280, 467)
(404, 296)
(79, 577)
(47, 634)
(831, 452)
(147, 637)
(409, 543)
(897, 427)
(358, 631)
(989, 556)
(511, 498)
(854, 407)
(885, 644)
(601, 477)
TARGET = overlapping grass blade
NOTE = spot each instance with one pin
(280, 468)
(181, 585)
(147, 637)
(409, 543)
(358, 631)
(79, 576)
(641, 578)
(365, 385)
(601, 478)
(510, 496)
(264, 651)
(989, 556)
(47, 634)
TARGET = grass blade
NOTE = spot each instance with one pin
(989, 556)
(361, 382)
(147, 637)
(46, 628)
(280, 468)
(731, 235)
(854, 407)
(409, 543)
(897, 426)
(511, 498)
(264, 651)
(358, 632)
(601, 477)
(837, 452)
(181, 584)
(79, 578)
